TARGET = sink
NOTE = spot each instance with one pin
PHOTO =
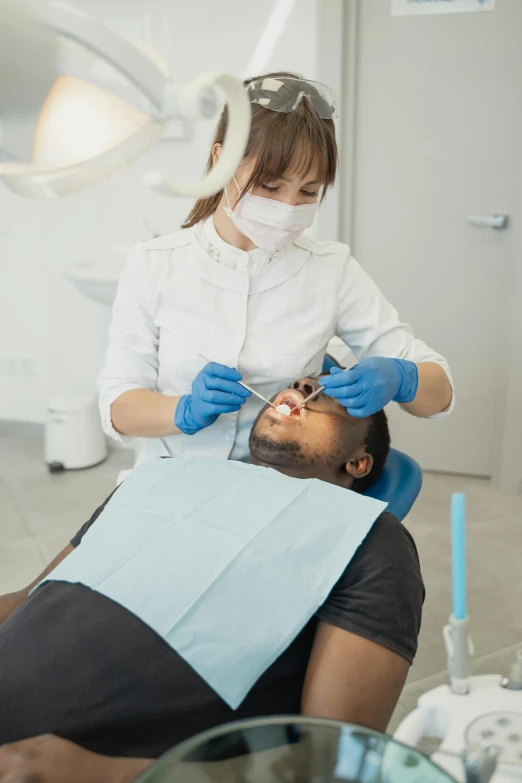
(97, 278)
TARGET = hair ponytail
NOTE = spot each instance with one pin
(202, 209)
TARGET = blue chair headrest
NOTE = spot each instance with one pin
(401, 479)
(399, 483)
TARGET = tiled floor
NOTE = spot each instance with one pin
(39, 513)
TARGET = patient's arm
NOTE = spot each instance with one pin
(10, 601)
(51, 759)
(352, 679)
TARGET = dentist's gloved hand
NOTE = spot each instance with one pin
(372, 384)
(214, 391)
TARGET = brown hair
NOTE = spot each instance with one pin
(281, 144)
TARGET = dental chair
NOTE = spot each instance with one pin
(401, 479)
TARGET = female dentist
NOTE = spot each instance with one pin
(241, 285)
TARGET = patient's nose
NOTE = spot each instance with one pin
(305, 385)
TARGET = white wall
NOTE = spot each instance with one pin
(43, 320)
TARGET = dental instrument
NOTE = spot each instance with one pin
(311, 396)
(286, 410)
(456, 634)
(244, 385)
(86, 132)
(477, 719)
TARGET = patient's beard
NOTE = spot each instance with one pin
(263, 448)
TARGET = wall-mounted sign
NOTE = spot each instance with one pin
(420, 7)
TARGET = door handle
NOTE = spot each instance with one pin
(489, 221)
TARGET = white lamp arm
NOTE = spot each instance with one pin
(170, 101)
(78, 26)
(236, 138)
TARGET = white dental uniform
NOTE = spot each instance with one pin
(271, 315)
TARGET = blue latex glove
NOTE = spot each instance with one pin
(372, 384)
(214, 391)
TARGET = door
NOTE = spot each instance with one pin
(438, 133)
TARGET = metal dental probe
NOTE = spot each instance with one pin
(311, 396)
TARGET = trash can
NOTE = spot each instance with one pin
(74, 438)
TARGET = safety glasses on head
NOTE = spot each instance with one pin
(284, 94)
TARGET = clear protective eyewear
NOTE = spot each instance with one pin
(284, 94)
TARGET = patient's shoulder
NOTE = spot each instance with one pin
(380, 594)
(389, 532)
(388, 548)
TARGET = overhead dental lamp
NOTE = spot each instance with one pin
(85, 133)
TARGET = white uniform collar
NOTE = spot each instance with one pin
(228, 255)
(290, 260)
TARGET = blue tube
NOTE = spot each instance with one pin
(458, 549)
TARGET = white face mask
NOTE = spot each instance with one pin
(268, 223)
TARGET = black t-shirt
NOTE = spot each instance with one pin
(75, 664)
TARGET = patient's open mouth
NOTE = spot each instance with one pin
(288, 401)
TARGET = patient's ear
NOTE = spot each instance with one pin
(359, 467)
